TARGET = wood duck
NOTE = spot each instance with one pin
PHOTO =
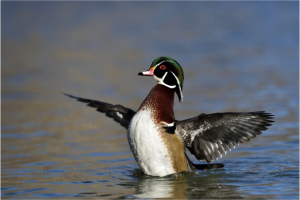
(159, 142)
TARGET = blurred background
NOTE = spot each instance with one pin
(236, 56)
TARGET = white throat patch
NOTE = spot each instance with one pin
(161, 81)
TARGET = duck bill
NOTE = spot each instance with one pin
(150, 72)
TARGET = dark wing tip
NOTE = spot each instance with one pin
(263, 114)
(67, 94)
(90, 102)
(119, 113)
(74, 97)
(267, 118)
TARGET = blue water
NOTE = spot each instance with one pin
(236, 56)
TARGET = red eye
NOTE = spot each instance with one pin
(162, 67)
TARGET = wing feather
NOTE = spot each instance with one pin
(119, 113)
(209, 136)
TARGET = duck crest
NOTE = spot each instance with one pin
(161, 102)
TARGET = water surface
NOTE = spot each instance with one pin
(236, 56)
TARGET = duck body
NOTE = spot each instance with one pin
(158, 141)
(156, 151)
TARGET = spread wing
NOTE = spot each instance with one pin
(119, 113)
(209, 136)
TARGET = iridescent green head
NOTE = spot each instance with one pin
(167, 72)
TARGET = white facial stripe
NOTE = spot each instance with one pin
(161, 81)
(178, 84)
(162, 62)
(163, 78)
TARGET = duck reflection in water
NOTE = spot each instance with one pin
(184, 185)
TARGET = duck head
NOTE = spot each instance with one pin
(167, 72)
